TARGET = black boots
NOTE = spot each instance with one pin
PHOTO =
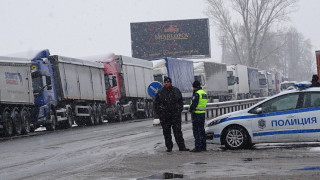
(184, 149)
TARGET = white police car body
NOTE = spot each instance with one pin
(290, 116)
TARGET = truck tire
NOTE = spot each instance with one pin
(90, 119)
(80, 121)
(17, 125)
(100, 115)
(68, 123)
(32, 128)
(25, 121)
(132, 113)
(95, 114)
(53, 121)
(7, 123)
(119, 113)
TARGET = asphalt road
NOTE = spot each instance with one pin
(135, 150)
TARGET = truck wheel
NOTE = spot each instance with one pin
(95, 114)
(132, 113)
(119, 113)
(68, 123)
(32, 128)
(235, 137)
(53, 121)
(100, 115)
(17, 125)
(25, 121)
(80, 121)
(7, 122)
(90, 119)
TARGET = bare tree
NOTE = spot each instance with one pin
(246, 37)
(299, 57)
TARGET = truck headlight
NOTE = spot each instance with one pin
(42, 111)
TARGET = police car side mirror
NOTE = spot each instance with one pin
(259, 110)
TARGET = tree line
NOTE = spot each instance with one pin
(254, 33)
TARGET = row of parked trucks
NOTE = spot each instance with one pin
(54, 91)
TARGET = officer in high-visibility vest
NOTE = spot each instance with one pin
(198, 106)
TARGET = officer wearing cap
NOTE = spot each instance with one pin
(314, 81)
(198, 106)
(168, 105)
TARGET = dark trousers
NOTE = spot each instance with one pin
(199, 134)
(173, 122)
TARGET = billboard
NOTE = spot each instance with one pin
(181, 38)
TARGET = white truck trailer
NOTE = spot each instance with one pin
(79, 91)
(16, 96)
(213, 78)
(243, 81)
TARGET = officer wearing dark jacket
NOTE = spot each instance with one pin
(198, 111)
(168, 105)
(314, 81)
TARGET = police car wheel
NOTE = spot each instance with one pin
(235, 137)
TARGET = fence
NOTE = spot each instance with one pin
(220, 108)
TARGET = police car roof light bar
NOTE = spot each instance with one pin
(302, 85)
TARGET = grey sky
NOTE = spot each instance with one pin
(78, 28)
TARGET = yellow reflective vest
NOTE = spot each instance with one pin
(202, 104)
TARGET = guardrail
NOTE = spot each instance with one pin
(220, 108)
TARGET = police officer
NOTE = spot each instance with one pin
(168, 105)
(198, 110)
(314, 81)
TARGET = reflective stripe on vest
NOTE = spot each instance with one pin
(202, 104)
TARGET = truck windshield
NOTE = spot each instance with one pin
(158, 78)
(107, 83)
(263, 81)
(231, 78)
(37, 83)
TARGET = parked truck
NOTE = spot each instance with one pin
(66, 90)
(238, 82)
(271, 83)
(253, 77)
(243, 81)
(213, 78)
(179, 70)
(126, 81)
(16, 96)
(263, 83)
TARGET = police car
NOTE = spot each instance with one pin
(290, 116)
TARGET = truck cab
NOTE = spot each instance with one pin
(112, 83)
(263, 83)
(44, 93)
(287, 85)
(44, 89)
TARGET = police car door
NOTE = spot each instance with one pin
(273, 120)
(309, 116)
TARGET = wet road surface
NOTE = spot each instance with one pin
(135, 150)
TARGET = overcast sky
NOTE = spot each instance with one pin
(79, 28)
